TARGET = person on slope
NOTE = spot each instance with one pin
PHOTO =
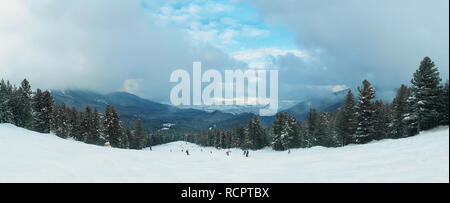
(187, 152)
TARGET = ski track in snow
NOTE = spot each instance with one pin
(27, 156)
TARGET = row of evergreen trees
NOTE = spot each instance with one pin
(422, 106)
(253, 136)
(38, 112)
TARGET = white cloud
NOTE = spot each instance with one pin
(95, 45)
(256, 55)
(130, 86)
(332, 88)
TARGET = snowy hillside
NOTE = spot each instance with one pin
(27, 156)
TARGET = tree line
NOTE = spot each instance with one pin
(421, 106)
(38, 112)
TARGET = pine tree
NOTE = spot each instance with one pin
(42, 111)
(238, 139)
(311, 122)
(424, 99)
(398, 126)
(60, 121)
(277, 130)
(137, 136)
(256, 134)
(129, 136)
(285, 133)
(381, 120)
(345, 124)
(75, 124)
(444, 107)
(37, 105)
(322, 132)
(86, 123)
(6, 114)
(21, 105)
(112, 126)
(365, 131)
(93, 136)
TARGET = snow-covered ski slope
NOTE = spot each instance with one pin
(27, 156)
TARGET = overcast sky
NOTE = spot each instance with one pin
(133, 45)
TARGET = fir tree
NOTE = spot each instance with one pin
(138, 136)
(255, 134)
(112, 126)
(277, 128)
(75, 124)
(129, 136)
(93, 136)
(239, 136)
(42, 111)
(444, 110)
(345, 120)
(365, 130)
(312, 119)
(424, 100)
(21, 105)
(6, 113)
(381, 120)
(398, 126)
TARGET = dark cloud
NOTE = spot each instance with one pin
(379, 40)
(99, 45)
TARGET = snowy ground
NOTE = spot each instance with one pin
(27, 156)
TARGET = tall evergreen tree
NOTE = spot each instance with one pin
(444, 110)
(239, 136)
(277, 130)
(86, 123)
(21, 105)
(75, 124)
(365, 131)
(381, 120)
(256, 134)
(6, 113)
(424, 100)
(312, 119)
(93, 136)
(137, 140)
(42, 111)
(398, 126)
(112, 126)
(345, 123)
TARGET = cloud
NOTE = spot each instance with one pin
(130, 86)
(215, 23)
(380, 40)
(96, 45)
(264, 53)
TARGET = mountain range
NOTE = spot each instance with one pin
(155, 115)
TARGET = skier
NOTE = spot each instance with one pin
(289, 151)
(246, 154)
(187, 152)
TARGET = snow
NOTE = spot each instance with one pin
(27, 156)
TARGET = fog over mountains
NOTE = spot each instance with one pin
(154, 114)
